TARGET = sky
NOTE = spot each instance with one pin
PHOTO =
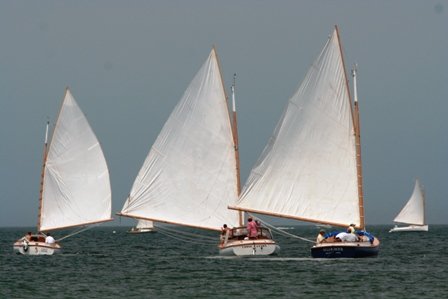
(128, 63)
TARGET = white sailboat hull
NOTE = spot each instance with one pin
(36, 248)
(410, 228)
(261, 247)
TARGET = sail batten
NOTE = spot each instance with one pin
(188, 177)
(308, 170)
(76, 186)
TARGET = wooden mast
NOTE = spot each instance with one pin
(357, 129)
(236, 142)
(234, 133)
(41, 189)
(358, 151)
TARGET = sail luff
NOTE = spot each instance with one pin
(357, 128)
(237, 150)
(234, 127)
(47, 146)
(234, 123)
(357, 132)
(41, 188)
(424, 202)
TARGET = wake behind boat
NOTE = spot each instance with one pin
(191, 173)
(310, 170)
(75, 187)
(413, 213)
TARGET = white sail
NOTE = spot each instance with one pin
(308, 171)
(189, 176)
(144, 224)
(414, 210)
(76, 186)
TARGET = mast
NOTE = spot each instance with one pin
(235, 141)
(41, 189)
(358, 150)
(357, 130)
(234, 127)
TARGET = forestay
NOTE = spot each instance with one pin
(76, 185)
(307, 171)
(414, 210)
(189, 176)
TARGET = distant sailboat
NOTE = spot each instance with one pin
(413, 213)
(75, 186)
(310, 170)
(143, 226)
(191, 173)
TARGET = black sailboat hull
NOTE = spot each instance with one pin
(346, 250)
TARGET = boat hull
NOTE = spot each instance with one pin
(346, 249)
(36, 248)
(410, 228)
(249, 248)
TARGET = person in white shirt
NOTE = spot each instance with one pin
(320, 237)
(49, 239)
(347, 237)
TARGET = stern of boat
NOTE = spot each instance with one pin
(410, 228)
(249, 248)
(346, 249)
(35, 248)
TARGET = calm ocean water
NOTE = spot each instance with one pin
(101, 264)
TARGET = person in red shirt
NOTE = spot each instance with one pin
(252, 231)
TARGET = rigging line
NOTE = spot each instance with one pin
(187, 233)
(172, 236)
(282, 231)
(183, 239)
(176, 235)
(76, 232)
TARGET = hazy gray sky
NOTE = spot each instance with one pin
(128, 63)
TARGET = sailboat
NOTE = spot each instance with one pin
(143, 226)
(310, 170)
(75, 187)
(191, 173)
(413, 213)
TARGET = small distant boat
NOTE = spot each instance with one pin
(413, 213)
(75, 187)
(143, 226)
(311, 168)
(191, 173)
